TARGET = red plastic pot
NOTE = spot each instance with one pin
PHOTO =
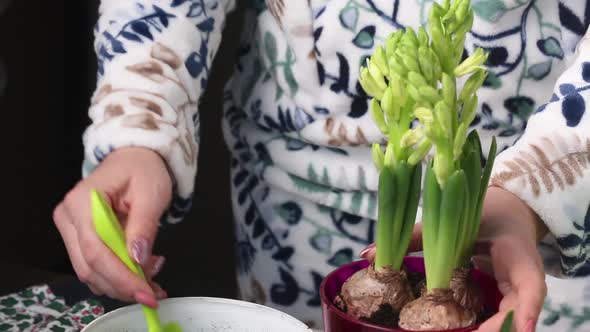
(337, 321)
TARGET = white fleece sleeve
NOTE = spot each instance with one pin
(549, 167)
(154, 59)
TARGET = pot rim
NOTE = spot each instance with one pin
(200, 300)
(329, 305)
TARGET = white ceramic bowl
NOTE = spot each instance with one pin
(201, 314)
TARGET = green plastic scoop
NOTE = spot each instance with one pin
(111, 233)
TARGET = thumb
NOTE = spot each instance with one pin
(415, 245)
(141, 228)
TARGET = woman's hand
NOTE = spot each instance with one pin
(139, 188)
(507, 249)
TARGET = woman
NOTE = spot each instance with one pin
(296, 122)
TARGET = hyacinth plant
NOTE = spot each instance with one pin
(417, 76)
(455, 184)
(384, 287)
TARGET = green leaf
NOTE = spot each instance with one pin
(341, 257)
(8, 311)
(311, 174)
(27, 303)
(23, 325)
(372, 204)
(507, 325)
(356, 202)
(540, 70)
(279, 93)
(489, 10)
(55, 305)
(349, 17)
(310, 187)
(270, 46)
(362, 179)
(57, 329)
(5, 327)
(365, 37)
(321, 241)
(8, 302)
(87, 319)
(551, 319)
(290, 78)
(326, 177)
(492, 81)
(550, 47)
(290, 55)
(27, 293)
(566, 309)
(290, 212)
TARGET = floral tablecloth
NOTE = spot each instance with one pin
(37, 308)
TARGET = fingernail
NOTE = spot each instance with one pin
(530, 325)
(366, 250)
(139, 250)
(146, 299)
(161, 294)
(158, 265)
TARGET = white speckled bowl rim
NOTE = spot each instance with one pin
(222, 315)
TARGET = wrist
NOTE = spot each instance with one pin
(503, 206)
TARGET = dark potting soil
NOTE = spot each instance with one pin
(385, 316)
(416, 280)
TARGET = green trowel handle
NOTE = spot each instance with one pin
(111, 233)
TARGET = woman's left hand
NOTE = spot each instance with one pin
(507, 249)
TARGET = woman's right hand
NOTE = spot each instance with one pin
(138, 186)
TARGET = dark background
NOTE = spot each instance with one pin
(47, 49)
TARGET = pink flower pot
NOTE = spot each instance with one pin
(337, 321)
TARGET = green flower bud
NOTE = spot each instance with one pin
(413, 91)
(378, 116)
(444, 118)
(426, 66)
(420, 152)
(389, 159)
(411, 63)
(445, 5)
(410, 37)
(392, 42)
(466, 25)
(378, 156)
(416, 79)
(472, 85)
(429, 93)
(399, 96)
(458, 43)
(460, 138)
(462, 10)
(422, 37)
(389, 106)
(437, 69)
(396, 65)
(449, 89)
(473, 63)
(424, 115)
(377, 75)
(412, 137)
(368, 84)
(380, 60)
(469, 110)
(441, 168)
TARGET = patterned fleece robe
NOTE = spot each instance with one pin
(296, 123)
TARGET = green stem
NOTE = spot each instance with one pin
(410, 214)
(402, 175)
(450, 214)
(384, 254)
(430, 221)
